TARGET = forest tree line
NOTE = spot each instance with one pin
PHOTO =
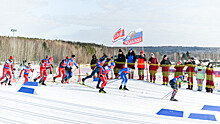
(34, 49)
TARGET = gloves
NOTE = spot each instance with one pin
(12, 72)
(50, 72)
(101, 75)
(19, 76)
(77, 67)
(51, 65)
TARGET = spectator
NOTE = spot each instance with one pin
(200, 71)
(179, 71)
(130, 60)
(120, 63)
(141, 65)
(165, 64)
(209, 78)
(190, 70)
(153, 62)
(93, 62)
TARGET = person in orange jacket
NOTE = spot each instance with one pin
(141, 65)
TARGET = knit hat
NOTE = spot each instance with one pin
(164, 56)
(142, 52)
(120, 50)
(130, 48)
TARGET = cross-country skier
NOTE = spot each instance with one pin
(104, 64)
(102, 74)
(123, 74)
(68, 68)
(26, 70)
(174, 82)
(61, 69)
(43, 70)
(100, 63)
(8, 68)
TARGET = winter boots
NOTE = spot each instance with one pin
(102, 90)
(139, 77)
(172, 99)
(142, 77)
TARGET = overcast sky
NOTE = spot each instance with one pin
(164, 22)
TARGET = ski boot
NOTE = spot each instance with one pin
(35, 79)
(54, 78)
(9, 83)
(62, 82)
(125, 88)
(172, 99)
(120, 87)
(83, 80)
(97, 87)
(102, 90)
(43, 83)
(40, 82)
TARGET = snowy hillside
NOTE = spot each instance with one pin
(75, 103)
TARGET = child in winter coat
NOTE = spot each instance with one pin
(200, 71)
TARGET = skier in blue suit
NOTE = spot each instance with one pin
(123, 73)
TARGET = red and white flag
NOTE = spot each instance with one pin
(119, 35)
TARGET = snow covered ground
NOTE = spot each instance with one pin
(75, 103)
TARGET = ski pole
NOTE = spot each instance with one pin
(113, 81)
(17, 81)
(167, 95)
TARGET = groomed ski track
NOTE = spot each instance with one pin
(78, 104)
